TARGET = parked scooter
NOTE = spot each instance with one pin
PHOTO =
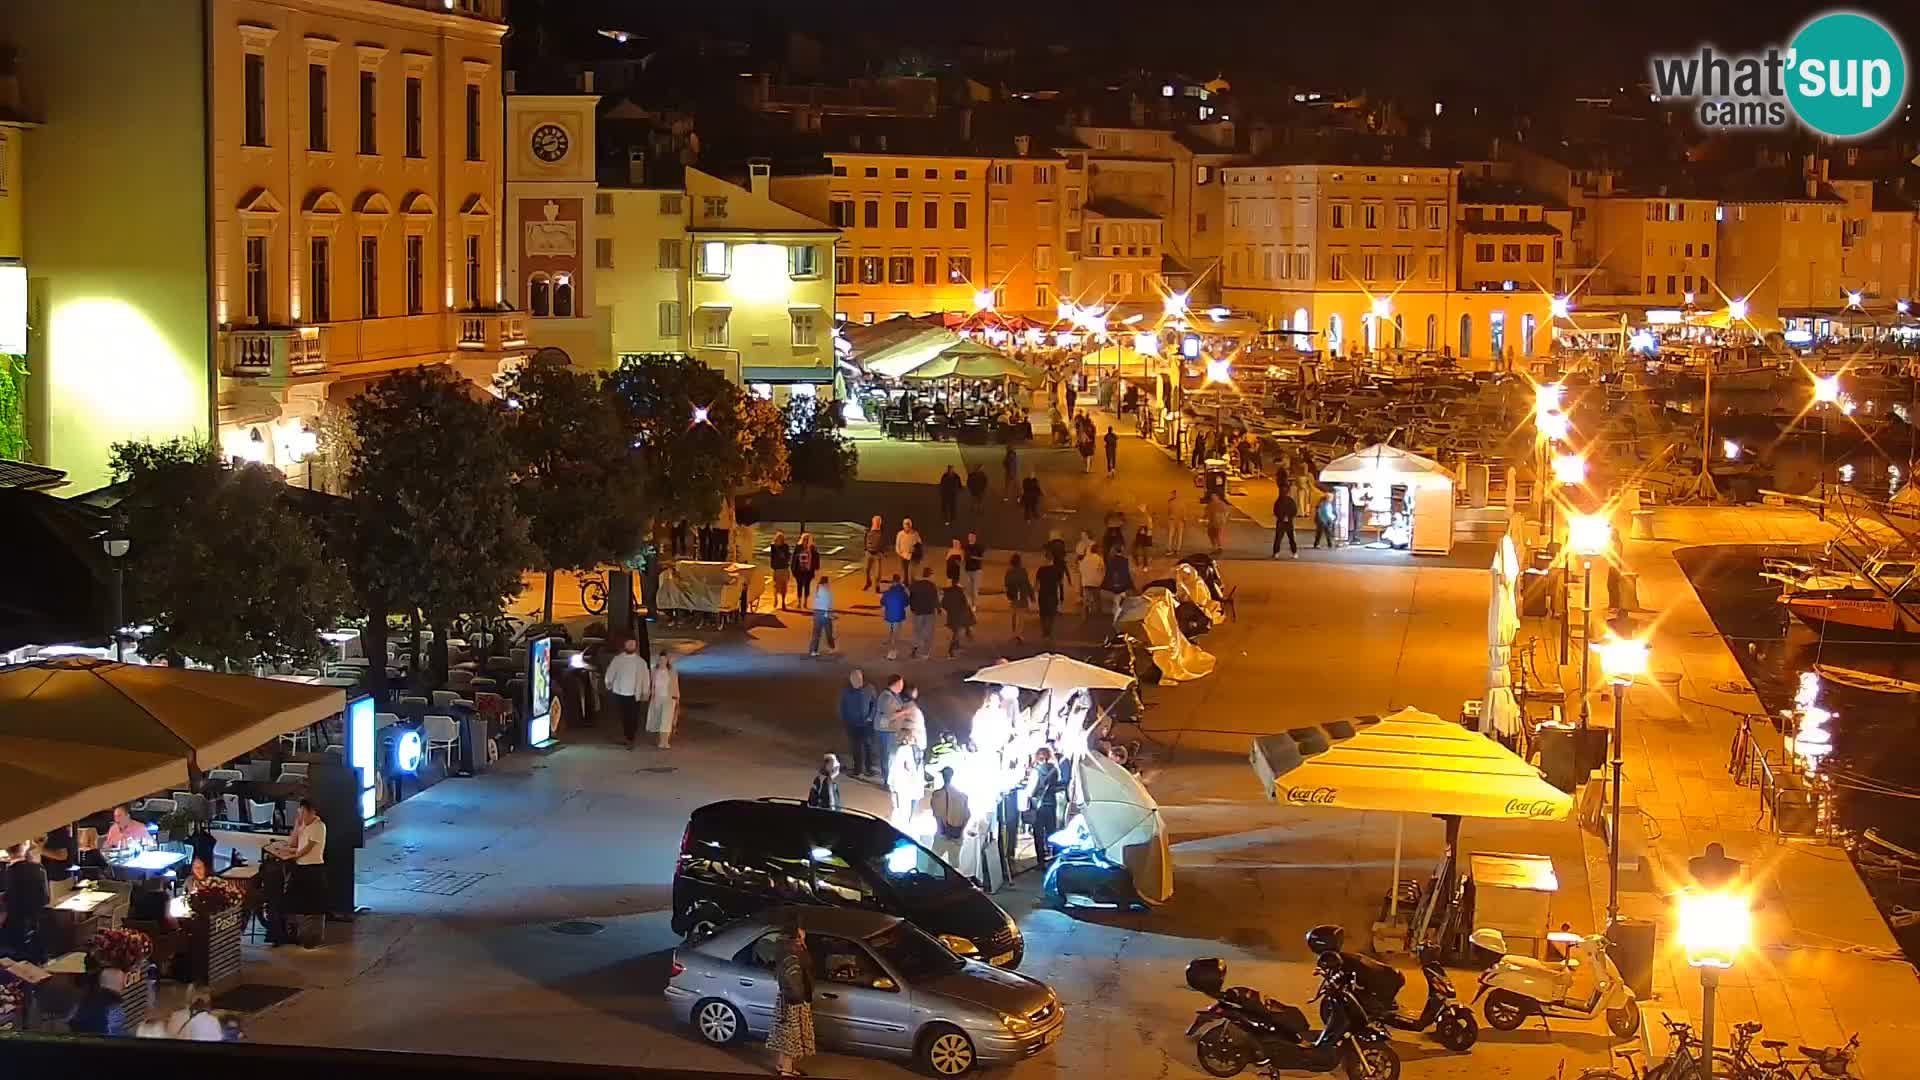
(1377, 986)
(1516, 987)
(1244, 1027)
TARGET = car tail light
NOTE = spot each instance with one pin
(686, 839)
(676, 969)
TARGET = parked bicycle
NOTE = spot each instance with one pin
(1819, 1061)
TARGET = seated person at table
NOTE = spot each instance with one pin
(127, 831)
(199, 873)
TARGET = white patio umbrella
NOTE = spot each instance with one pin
(1125, 823)
(1051, 671)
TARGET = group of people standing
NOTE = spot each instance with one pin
(886, 742)
(632, 683)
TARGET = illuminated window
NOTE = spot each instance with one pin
(257, 279)
(320, 280)
(900, 270)
(871, 267)
(713, 259)
(716, 329)
(806, 329)
(1433, 332)
(1466, 335)
(959, 269)
(803, 261)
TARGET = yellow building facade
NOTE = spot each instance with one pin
(1028, 260)
(1654, 250)
(316, 182)
(1782, 256)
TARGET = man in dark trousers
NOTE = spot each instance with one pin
(856, 714)
(949, 495)
(977, 488)
(1072, 396)
(1284, 511)
(1113, 450)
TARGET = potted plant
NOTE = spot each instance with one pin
(122, 954)
(177, 824)
(217, 912)
(13, 1007)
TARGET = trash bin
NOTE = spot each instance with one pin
(1559, 754)
(1626, 596)
(1593, 749)
(1643, 525)
(1632, 944)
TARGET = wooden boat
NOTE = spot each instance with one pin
(1870, 617)
(1865, 680)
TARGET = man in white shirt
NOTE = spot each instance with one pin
(907, 545)
(950, 816)
(194, 1021)
(1093, 569)
(822, 616)
(307, 894)
(627, 682)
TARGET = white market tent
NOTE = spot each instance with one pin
(1411, 762)
(1051, 671)
(1428, 483)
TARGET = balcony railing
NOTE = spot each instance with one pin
(277, 352)
(492, 331)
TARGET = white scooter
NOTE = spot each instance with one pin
(1518, 986)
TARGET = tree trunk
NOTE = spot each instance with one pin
(413, 649)
(374, 644)
(441, 649)
(546, 608)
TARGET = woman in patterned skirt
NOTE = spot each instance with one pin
(792, 1036)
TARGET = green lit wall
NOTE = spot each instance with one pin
(115, 222)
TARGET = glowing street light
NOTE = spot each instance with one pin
(1737, 308)
(1730, 449)
(1547, 397)
(1853, 299)
(1175, 304)
(1219, 370)
(1569, 469)
(1589, 535)
(1902, 306)
(1715, 928)
(1560, 306)
(699, 415)
(1621, 660)
(1382, 307)
(1826, 389)
(983, 300)
(1553, 426)
(1687, 299)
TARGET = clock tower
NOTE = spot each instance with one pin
(551, 230)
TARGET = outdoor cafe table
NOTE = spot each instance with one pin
(148, 862)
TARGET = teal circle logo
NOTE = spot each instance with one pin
(1847, 74)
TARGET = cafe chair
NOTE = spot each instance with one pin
(297, 741)
(259, 813)
(337, 750)
(291, 808)
(442, 736)
(385, 719)
(443, 698)
(157, 806)
(183, 799)
(294, 768)
(225, 774)
(230, 808)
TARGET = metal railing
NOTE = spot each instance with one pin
(1793, 801)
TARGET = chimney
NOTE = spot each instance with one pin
(1604, 183)
(1813, 187)
(513, 80)
(586, 81)
(1426, 138)
(636, 166)
(1823, 166)
(853, 141)
(1493, 151)
(1022, 143)
(760, 179)
(1137, 112)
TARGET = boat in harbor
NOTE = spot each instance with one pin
(1865, 680)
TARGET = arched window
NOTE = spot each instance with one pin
(563, 297)
(1301, 341)
(539, 296)
(1399, 331)
(1370, 330)
(1333, 334)
(1433, 332)
(1466, 335)
(1526, 335)
(1497, 330)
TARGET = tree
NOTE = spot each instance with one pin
(433, 530)
(576, 480)
(219, 563)
(699, 437)
(819, 454)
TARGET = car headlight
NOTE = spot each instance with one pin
(960, 946)
(1018, 1025)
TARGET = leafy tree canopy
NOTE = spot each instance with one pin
(220, 564)
(699, 437)
(819, 454)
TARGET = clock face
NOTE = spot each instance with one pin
(549, 142)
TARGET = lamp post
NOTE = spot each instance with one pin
(1714, 927)
(1589, 536)
(1826, 394)
(116, 544)
(1621, 661)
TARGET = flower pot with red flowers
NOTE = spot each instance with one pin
(217, 914)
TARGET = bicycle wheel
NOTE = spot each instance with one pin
(593, 596)
(1597, 1073)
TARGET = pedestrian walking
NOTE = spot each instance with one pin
(950, 816)
(1284, 511)
(1086, 451)
(1117, 581)
(1072, 396)
(780, 558)
(1143, 537)
(628, 682)
(1049, 589)
(1030, 498)
(1019, 592)
(959, 613)
(876, 548)
(1113, 451)
(893, 608)
(806, 564)
(909, 547)
(1176, 524)
(663, 712)
(1215, 509)
(857, 701)
(792, 1038)
(822, 618)
(956, 562)
(1093, 571)
(825, 792)
(976, 561)
(1115, 535)
(1323, 519)
(949, 495)
(1055, 548)
(910, 725)
(906, 785)
(1010, 473)
(923, 601)
(886, 720)
(977, 488)
(1199, 450)
(1080, 549)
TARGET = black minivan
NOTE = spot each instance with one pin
(741, 856)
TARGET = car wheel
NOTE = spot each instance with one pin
(1506, 1010)
(946, 1051)
(718, 1022)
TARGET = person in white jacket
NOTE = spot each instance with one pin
(628, 682)
(663, 712)
(908, 546)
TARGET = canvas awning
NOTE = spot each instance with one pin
(969, 360)
(1051, 671)
(909, 350)
(78, 735)
(1383, 464)
(1411, 762)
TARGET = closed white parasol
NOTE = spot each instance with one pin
(1125, 823)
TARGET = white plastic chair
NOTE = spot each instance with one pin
(296, 768)
(158, 806)
(443, 699)
(385, 719)
(230, 808)
(259, 813)
(442, 735)
(182, 798)
(225, 774)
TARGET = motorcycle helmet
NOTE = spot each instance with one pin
(1326, 938)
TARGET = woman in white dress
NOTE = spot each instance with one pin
(663, 710)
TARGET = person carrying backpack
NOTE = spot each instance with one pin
(825, 792)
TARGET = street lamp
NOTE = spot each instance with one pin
(116, 544)
(1738, 308)
(1714, 928)
(1621, 661)
(1826, 394)
(1569, 470)
(1589, 535)
(983, 300)
(1559, 306)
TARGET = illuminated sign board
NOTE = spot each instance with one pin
(408, 751)
(13, 308)
(360, 752)
(540, 691)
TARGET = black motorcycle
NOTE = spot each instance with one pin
(1377, 986)
(1244, 1027)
